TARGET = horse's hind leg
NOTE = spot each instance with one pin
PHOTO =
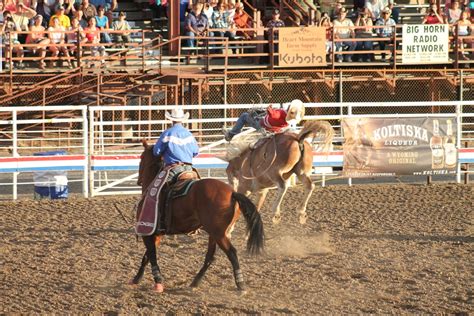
(226, 246)
(261, 195)
(155, 269)
(308, 189)
(211, 250)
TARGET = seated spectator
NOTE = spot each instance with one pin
(208, 10)
(93, 37)
(75, 36)
(454, 13)
(79, 15)
(337, 8)
(465, 28)
(343, 30)
(64, 20)
(433, 17)
(2, 8)
(387, 31)
(374, 9)
(11, 39)
(122, 38)
(395, 11)
(220, 22)
(326, 22)
(241, 21)
(37, 36)
(196, 24)
(102, 22)
(88, 10)
(57, 37)
(43, 8)
(273, 24)
(364, 20)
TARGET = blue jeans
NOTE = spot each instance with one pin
(189, 42)
(245, 119)
(365, 46)
(350, 47)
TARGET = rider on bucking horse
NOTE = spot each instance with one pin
(273, 120)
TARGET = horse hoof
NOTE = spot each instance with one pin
(158, 288)
(276, 219)
(303, 218)
(132, 282)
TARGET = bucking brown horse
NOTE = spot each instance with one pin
(273, 160)
(210, 205)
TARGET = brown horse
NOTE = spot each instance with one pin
(274, 160)
(211, 205)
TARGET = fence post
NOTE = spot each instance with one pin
(459, 111)
(15, 152)
(143, 51)
(85, 145)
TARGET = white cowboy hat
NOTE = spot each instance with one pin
(177, 115)
(295, 111)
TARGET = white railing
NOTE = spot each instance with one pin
(103, 143)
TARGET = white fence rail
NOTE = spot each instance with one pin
(102, 144)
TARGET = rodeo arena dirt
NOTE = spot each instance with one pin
(397, 249)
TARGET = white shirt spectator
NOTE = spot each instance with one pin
(342, 28)
(375, 7)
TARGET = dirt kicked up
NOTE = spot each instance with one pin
(365, 249)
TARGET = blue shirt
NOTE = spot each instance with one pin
(176, 144)
(101, 21)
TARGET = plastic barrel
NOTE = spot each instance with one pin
(51, 184)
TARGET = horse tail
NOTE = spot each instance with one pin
(311, 128)
(255, 242)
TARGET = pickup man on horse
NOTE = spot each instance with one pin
(274, 120)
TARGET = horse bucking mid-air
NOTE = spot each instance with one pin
(210, 205)
(273, 160)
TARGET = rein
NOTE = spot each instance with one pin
(250, 166)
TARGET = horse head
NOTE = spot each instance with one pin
(149, 166)
(295, 112)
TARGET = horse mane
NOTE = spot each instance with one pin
(312, 128)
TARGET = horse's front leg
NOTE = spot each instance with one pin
(282, 188)
(308, 189)
(155, 269)
(261, 195)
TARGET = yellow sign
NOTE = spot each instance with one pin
(302, 46)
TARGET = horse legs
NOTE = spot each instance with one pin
(308, 188)
(262, 194)
(155, 269)
(226, 246)
(211, 250)
(282, 188)
(137, 278)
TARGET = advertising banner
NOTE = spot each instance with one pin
(399, 146)
(302, 46)
(425, 43)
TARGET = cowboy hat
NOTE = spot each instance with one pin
(177, 115)
(295, 111)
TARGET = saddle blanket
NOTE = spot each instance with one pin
(147, 217)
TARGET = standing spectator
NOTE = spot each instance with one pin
(22, 18)
(64, 20)
(387, 31)
(464, 29)
(454, 13)
(11, 39)
(374, 8)
(93, 37)
(37, 36)
(326, 23)
(364, 20)
(88, 10)
(343, 30)
(102, 22)
(433, 17)
(75, 36)
(122, 38)
(58, 40)
(195, 24)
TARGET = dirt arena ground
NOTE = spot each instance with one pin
(397, 249)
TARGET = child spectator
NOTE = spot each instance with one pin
(386, 31)
(102, 22)
(93, 37)
(37, 36)
(57, 38)
(75, 36)
(11, 39)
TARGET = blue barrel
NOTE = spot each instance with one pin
(51, 184)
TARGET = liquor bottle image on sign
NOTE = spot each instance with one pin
(450, 152)
(437, 151)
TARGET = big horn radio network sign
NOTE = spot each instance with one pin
(399, 146)
(302, 46)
